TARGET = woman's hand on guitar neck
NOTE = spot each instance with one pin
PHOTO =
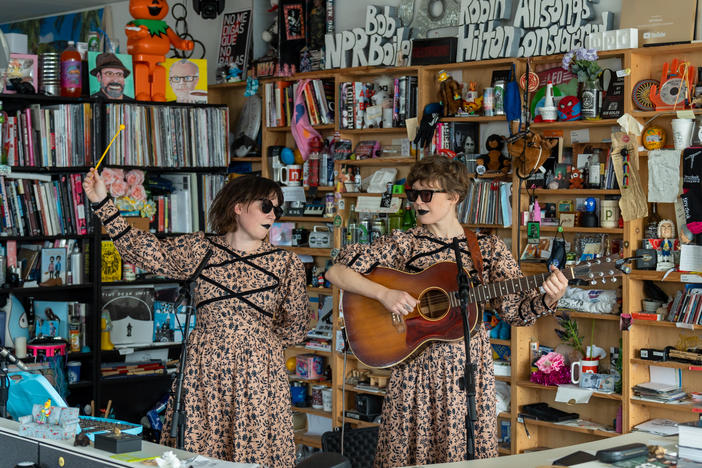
(555, 286)
(397, 302)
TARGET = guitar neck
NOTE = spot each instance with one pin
(485, 292)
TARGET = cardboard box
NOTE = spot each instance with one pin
(658, 25)
(135, 221)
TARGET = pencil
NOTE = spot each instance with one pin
(121, 127)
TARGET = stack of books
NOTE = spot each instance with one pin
(122, 369)
(658, 391)
(690, 441)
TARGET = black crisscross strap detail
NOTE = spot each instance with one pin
(230, 294)
(442, 246)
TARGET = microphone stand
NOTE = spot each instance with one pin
(180, 419)
(467, 382)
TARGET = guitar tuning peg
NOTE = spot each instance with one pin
(604, 280)
(608, 259)
(598, 261)
(593, 282)
(614, 279)
(610, 272)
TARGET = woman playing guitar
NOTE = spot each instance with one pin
(423, 418)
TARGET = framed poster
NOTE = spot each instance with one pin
(53, 265)
(234, 45)
(23, 66)
(110, 75)
(186, 80)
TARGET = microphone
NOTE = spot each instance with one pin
(5, 354)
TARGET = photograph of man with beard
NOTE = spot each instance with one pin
(111, 75)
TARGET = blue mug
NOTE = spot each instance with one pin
(298, 394)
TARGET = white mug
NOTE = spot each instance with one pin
(585, 366)
(291, 175)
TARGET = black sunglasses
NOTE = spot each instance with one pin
(426, 195)
(267, 206)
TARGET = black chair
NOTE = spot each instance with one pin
(359, 445)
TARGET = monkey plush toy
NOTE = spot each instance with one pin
(449, 94)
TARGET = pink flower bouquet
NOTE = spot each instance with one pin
(128, 191)
(551, 370)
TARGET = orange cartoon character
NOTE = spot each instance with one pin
(148, 41)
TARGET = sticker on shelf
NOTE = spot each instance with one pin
(686, 114)
(687, 326)
(580, 136)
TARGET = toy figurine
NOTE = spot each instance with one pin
(472, 101)
(665, 262)
(149, 39)
(45, 412)
(449, 94)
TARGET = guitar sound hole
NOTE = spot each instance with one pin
(434, 304)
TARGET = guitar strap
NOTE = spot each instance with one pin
(472, 240)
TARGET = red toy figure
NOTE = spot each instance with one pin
(148, 41)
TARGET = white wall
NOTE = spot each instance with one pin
(351, 13)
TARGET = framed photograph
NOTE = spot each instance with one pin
(110, 76)
(53, 265)
(561, 175)
(23, 66)
(186, 80)
(51, 318)
(567, 219)
(293, 22)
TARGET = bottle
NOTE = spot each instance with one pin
(77, 265)
(593, 178)
(352, 226)
(408, 219)
(71, 71)
(74, 329)
(651, 230)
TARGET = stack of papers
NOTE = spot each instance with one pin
(659, 391)
(660, 426)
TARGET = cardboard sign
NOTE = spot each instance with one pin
(658, 25)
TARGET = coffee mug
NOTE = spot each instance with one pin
(609, 213)
(291, 175)
(585, 366)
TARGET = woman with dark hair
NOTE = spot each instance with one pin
(423, 420)
(251, 302)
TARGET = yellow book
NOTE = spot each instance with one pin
(111, 269)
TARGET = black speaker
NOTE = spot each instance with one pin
(368, 404)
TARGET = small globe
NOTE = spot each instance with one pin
(291, 364)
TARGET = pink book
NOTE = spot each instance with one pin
(30, 141)
(79, 205)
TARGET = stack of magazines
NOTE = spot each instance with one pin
(658, 391)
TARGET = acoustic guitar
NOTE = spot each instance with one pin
(381, 339)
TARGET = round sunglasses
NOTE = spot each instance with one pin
(267, 206)
(425, 194)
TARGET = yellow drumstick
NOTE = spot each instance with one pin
(121, 127)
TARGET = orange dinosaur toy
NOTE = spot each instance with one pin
(148, 41)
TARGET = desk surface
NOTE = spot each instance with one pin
(546, 457)
(147, 449)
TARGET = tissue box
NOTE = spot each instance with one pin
(118, 443)
(310, 366)
(16, 42)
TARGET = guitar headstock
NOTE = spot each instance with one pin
(599, 270)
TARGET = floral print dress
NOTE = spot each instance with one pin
(250, 306)
(423, 418)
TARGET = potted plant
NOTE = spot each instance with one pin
(583, 63)
(571, 346)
